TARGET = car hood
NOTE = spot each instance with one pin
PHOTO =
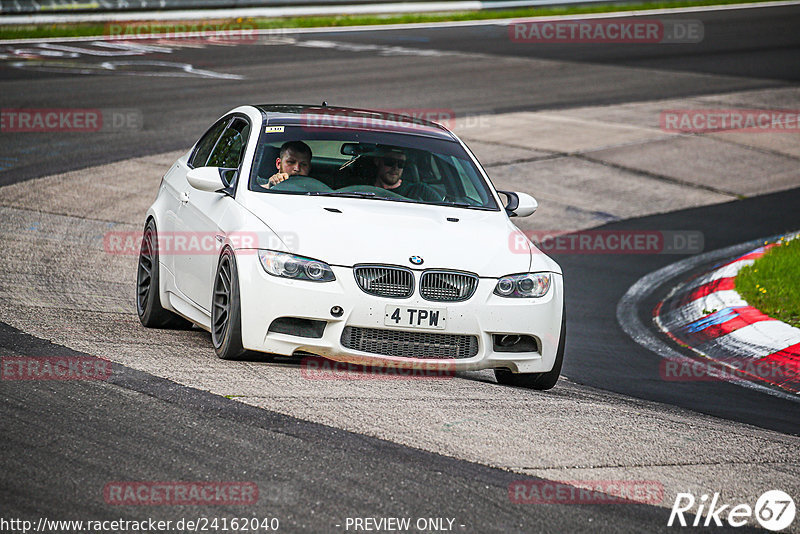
(348, 231)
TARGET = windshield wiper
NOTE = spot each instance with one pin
(461, 205)
(452, 203)
(350, 194)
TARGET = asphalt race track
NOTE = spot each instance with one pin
(322, 453)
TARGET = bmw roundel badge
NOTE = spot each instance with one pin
(416, 260)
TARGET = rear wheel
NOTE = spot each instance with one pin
(148, 294)
(540, 381)
(226, 314)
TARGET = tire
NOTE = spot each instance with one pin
(148, 294)
(226, 312)
(539, 381)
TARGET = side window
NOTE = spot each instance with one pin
(230, 147)
(206, 144)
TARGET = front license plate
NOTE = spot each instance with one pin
(434, 318)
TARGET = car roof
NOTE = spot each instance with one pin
(351, 118)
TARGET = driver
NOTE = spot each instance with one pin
(293, 159)
(389, 162)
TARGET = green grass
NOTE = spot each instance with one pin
(772, 283)
(34, 31)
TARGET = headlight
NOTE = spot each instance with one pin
(528, 285)
(296, 267)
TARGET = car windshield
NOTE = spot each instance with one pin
(370, 165)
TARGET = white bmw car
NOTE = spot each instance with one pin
(383, 243)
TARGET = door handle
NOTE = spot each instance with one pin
(185, 197)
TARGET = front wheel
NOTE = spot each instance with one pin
(539, 381)
(226, 312)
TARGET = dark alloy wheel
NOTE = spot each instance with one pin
(540, 381)
(148, 299)
(226, 319)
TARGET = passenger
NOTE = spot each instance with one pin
(293, 159)
(389, 163)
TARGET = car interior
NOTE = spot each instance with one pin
(352, 169)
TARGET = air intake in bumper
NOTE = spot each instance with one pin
(403, 344)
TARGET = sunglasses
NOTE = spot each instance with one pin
(394, 162)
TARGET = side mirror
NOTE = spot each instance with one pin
(519, 204)
(206, 179)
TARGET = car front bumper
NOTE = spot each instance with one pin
(265, 298)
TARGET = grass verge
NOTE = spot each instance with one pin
(772, 283)
(39, 31)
